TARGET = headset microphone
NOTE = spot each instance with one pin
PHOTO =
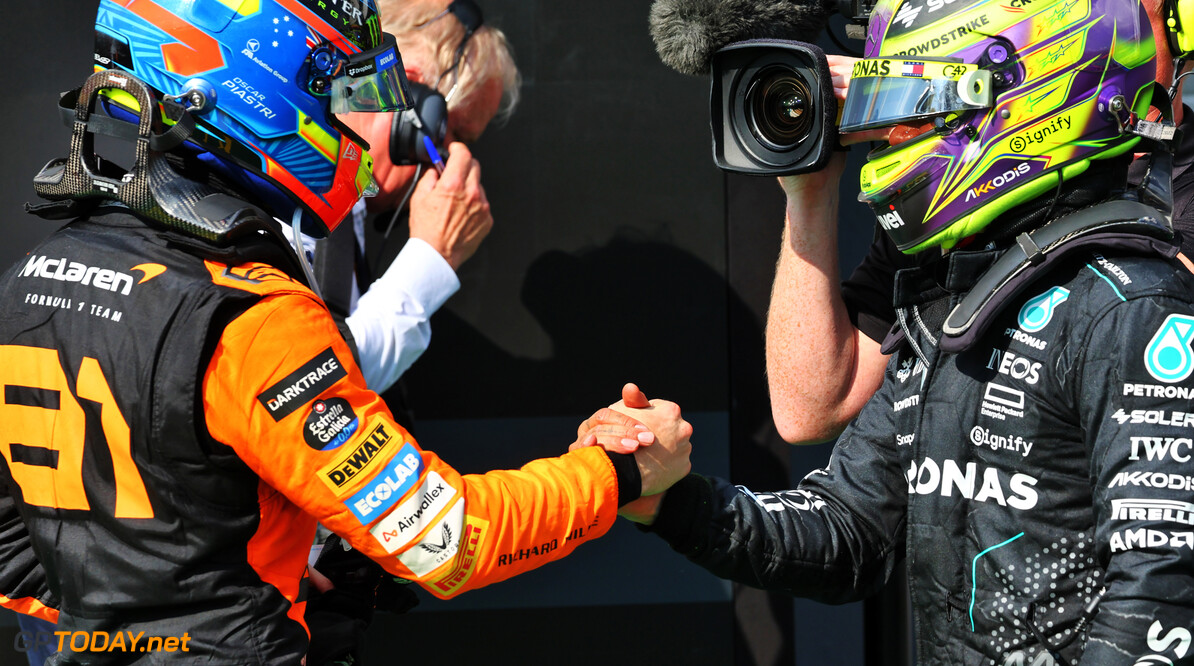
(427, 118)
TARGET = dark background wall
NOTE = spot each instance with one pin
(619, 253)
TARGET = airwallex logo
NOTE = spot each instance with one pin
(1038, 312)
(1168, 357)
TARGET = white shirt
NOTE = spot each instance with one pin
(391, 321)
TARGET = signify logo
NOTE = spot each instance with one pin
(65, 270)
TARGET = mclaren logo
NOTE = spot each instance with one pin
(65, 270)
(150, 271)
(997, 182)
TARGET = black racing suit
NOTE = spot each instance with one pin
(1040, 482)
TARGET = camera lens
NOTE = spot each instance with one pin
(779, 105)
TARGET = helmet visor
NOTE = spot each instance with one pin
(374, 80)
(888, 91)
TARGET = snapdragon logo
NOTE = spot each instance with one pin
(1037, 312)
(1168, 357)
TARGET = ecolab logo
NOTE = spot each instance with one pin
(929, 478)
(997, 182)
(65, 270)
(390, 484)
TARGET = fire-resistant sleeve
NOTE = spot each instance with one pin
(282, 390)
(1130, 398)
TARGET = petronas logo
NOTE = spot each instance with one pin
(1168, 356)
(1037, 312)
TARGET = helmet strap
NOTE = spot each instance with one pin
(1160, 137)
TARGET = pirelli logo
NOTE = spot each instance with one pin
(466, 562)
(360, 460)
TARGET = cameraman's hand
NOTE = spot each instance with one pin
(450, 211)
(842, 69)
(814, 196)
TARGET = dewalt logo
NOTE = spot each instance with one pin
(358, 461)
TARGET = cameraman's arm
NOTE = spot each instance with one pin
(820, 368)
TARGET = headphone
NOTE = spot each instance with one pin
(1178, 15)
(428, 116)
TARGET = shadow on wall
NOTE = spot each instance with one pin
(633, 310)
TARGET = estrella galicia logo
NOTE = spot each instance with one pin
(331, 423)
(1037, 312)
(301, 386)
(1168, 356)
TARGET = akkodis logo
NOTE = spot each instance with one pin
(1168, 357)
(1037, 312)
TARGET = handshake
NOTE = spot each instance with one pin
(655, 433)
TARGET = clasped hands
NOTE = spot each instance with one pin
(655, 433)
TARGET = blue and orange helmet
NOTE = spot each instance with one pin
(264, 80)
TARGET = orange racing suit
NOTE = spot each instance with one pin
(179, 418)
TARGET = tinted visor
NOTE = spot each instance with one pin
(888, 91)
(374, 80)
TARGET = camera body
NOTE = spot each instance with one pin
(772, 108)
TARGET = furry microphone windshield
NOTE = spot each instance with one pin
(688, 32)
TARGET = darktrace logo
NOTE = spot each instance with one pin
(385, 488)
(303, 385)
(331, 423)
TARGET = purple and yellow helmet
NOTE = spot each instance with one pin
(264, 80)
(1021, 95)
